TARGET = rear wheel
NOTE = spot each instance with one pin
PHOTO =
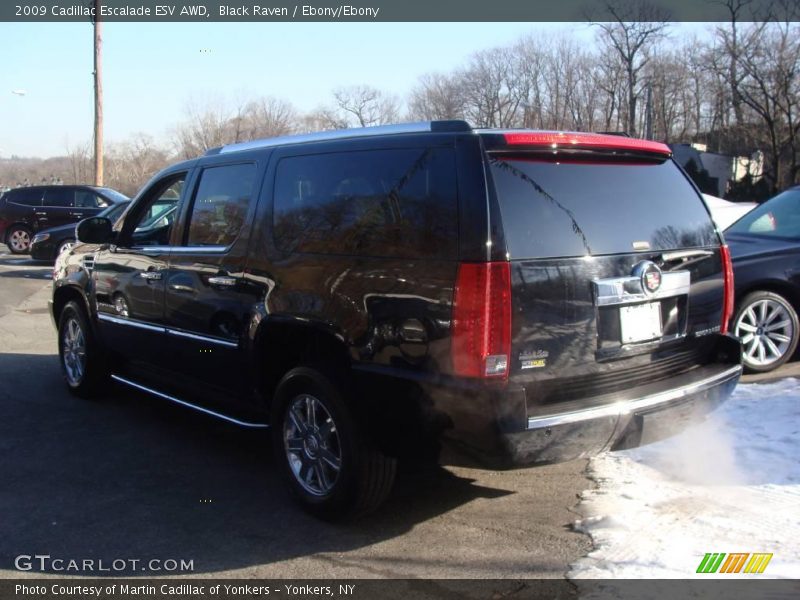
(767, 325)
(82, 362)
(329, 466)
(18, 239)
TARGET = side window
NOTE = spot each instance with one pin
(57, 196)
(393, 203)
(150, 222)
(221, 204)
(87, 199)
(26, 196)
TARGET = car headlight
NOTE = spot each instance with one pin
(40, 237)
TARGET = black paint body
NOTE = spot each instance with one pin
(386, 322)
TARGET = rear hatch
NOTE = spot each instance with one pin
(616, 268)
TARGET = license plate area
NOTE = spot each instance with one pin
(640, 322)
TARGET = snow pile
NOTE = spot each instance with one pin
(729, 484)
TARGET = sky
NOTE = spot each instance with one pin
(152, 71)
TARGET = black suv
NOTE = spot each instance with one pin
(26, 210)
(531, 297)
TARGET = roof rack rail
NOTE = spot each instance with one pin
(342, 134)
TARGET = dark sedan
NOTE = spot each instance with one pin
(765, 245)
(48, 244)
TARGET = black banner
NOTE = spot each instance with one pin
(733, 588)
(385, 10)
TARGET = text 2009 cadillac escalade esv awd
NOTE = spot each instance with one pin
(529, 296)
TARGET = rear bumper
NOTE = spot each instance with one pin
(652, 416)
(501, 425)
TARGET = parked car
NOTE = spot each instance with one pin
(765, 246)
(369, 293)
(48, 244)
(27, 210)
(724, 212)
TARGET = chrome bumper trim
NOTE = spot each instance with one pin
(206, 411)
(626, 407)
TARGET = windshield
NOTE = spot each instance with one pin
(778, 217)
(113, 212)
(114, 195)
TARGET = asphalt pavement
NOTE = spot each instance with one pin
(129, 477)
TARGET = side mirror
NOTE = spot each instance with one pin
(94, 230)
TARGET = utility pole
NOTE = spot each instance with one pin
(98, 96)
(648, 114)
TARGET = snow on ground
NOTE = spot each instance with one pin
(728, 484)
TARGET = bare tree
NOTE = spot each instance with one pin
(494, 90)
(363, 106)
(436, 96)
(634, 27)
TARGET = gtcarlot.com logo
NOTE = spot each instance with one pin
(735, 562)
(45, 563)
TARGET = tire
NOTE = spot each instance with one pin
(64, 246)
(82, 363)
(18, 239)
(767, 325)
(327, 464)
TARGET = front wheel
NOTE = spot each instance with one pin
(82, 362)
(64, 246)
(767, 325)
(330, 468)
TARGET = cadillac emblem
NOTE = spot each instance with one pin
(650, 276)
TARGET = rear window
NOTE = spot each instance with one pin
(578, 208)
(389, 203)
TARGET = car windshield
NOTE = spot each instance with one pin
(114, 195)
(778, 217)
(113, 212)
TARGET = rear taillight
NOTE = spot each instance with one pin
(727, 296)
(481, 342)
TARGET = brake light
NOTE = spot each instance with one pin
(727, 295)
(599, 141)
(481, 333)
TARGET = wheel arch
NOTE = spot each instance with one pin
(281, 344)
(776, 286)
(64, 294)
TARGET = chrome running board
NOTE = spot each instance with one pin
(206, 411)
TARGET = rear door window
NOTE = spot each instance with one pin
(59, 197)
(578, 207)
(387, 203)
(26, 197)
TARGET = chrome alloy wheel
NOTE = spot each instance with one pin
(312, 445)
(73, 351)
(65, 247)
(765, 329)
(19, 240)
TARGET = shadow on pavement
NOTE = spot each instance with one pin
(129, 476)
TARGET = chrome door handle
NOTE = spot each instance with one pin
(222, 280)
(150, 275)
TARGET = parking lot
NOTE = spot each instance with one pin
(129, 477)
